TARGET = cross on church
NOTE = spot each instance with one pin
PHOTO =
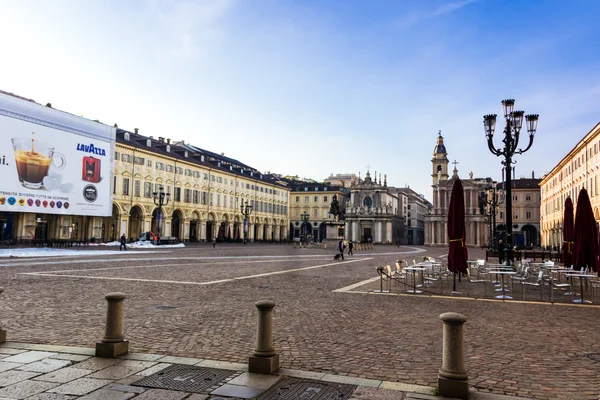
(455, 162)
(368, 166)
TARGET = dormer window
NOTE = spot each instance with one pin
(168, 148)
(185, 154)
(149, 142)
(202, 158)
(126, 136)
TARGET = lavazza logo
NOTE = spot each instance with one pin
(90, 148)
(90, 193)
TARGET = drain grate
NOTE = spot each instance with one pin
(293, 388)
(594, 357)
(186, 378)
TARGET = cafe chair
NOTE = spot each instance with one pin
(537, 283)
(475, 281)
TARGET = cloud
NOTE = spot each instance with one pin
(421, 15)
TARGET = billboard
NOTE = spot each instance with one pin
(53, 162)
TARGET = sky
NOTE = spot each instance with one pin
(315, 87)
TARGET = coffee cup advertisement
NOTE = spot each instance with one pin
(53, 162)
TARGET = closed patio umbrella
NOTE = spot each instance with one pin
(457, 250)
(586, 233)
(568, 234)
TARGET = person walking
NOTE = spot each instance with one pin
(214, 241)
(501, 248)
(341, 247)
(350, 247)
(123, 243)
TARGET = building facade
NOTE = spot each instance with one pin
(344, 180)
(374, 213)
(309, 208)
(417, 207)
(205, 192)
(580, 168)
(436, 223)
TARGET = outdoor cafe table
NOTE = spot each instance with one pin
(414, 269)
(502, 273)
(581, 276)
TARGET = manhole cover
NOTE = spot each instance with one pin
(594, 357)
(186, 378)
(164, 307)
(293, 389)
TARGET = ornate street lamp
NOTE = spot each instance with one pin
(493, 202)
(160, 199)
(514, 121)
(246, 211)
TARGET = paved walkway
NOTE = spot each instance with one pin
(199, 302)
(49, 372)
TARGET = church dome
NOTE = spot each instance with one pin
(440, 148)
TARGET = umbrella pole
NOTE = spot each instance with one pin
(454, 287)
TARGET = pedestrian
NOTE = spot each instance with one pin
(123, 243)
(214, 241)
(501, 248)
(341, 247)
(350, 247)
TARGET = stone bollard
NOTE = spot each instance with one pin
(113, 344)
(2, 331)
(264, 360)
(452, 378)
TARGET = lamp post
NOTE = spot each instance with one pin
(246, 211)
(160, 199)
(493, 204)
(305, 216)
(514, 121)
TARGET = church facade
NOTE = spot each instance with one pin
(373, 213)
(475, 193)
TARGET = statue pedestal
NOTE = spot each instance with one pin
(334, 231)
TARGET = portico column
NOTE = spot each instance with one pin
(388, 232)
(379, 232)
(202, 229)
(186, 229)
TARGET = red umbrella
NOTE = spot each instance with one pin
(586, 233)
(568, 234)
(457, 251)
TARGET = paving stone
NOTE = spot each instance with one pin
(161, 394)
(137, 364)
(45, 366)
(5, 366)
(70, 357)
(300, 374)
(51, 396)
(81, 386)
(11, 377)
(243, 392)
(106, 394)
(349, 380)
(370, 393)
(96, 364)
(197, 396)
(126, 388)
(180, 360)
(11, 351)
(45, 347)
(141, 356)
(405, 387)
(64, 375)
(115, 372)
(154, 369)
(223, 365)
(129, 379)
(255, 380)
(29, 356)
(25, 389)
(84, 351)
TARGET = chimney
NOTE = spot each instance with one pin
(169, 141)
(223, 154)
(161, 139)
(136, 130)
(532, 174)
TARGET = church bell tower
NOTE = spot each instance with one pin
(439, 162)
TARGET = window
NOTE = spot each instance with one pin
(195, 197)
(148, 189)
(125, 185)
(231, 202)
(297, 199)
(324, 199)
(169, 168)
(160, 166)
(528, 214)
(306, 199)
(177, 194)
(188, 172)
(316, 199)
(219, 179)
(315, 213)
(203, 198)
(139, 160)
(126, 158)
(225, 181)
(212, 178)
(211, 198)
(297, 213)
(204, 176)
(186, 195)
(501, 214)
(224, 201)
(527, 197)
(149, 163)
(196, 174)
(136, 188)
(179, 171)
(116, 155)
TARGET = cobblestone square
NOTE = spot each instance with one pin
(199, 302)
